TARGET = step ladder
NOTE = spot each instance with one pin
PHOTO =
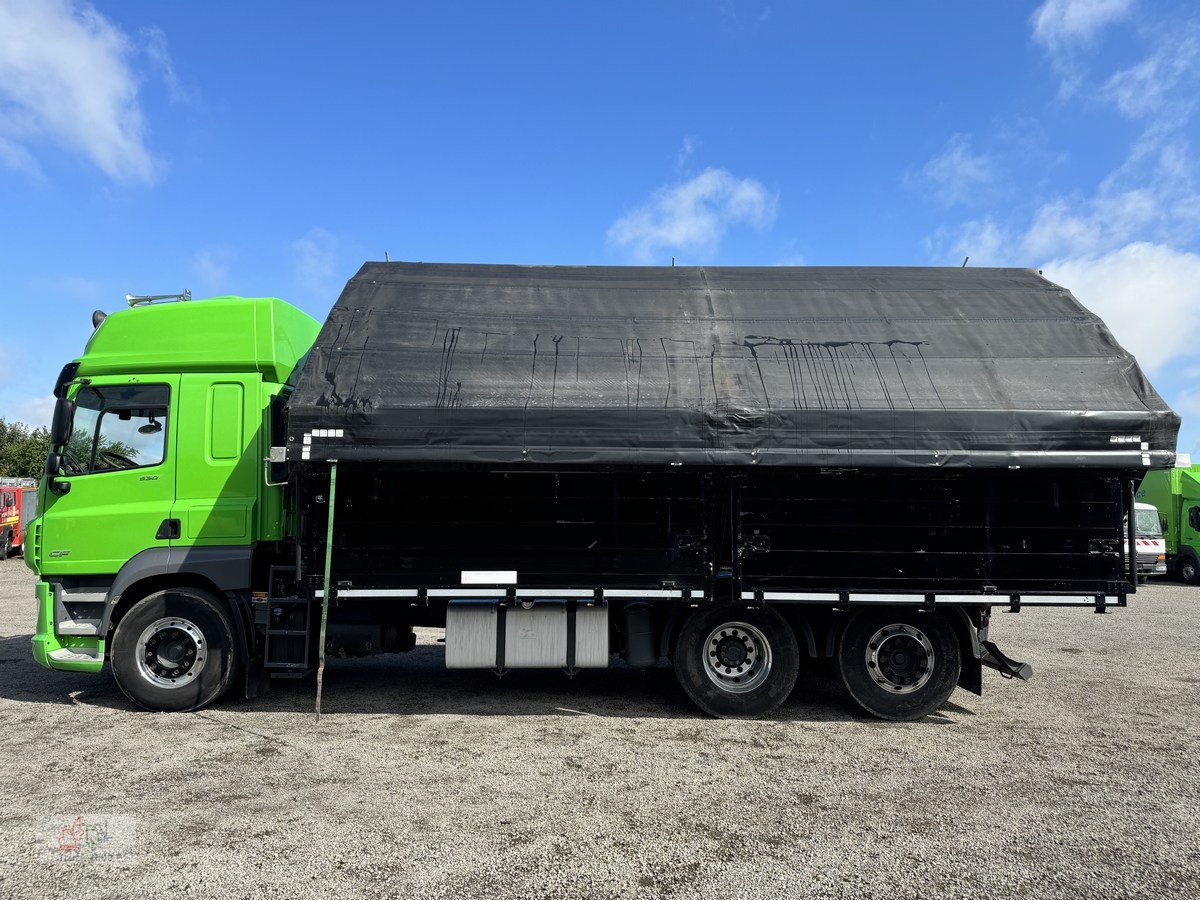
(288, 619)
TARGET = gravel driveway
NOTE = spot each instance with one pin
(423, 782)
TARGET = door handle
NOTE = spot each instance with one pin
(169, 530)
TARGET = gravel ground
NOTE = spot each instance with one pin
(424, 782)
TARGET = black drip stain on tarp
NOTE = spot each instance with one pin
(824, 367)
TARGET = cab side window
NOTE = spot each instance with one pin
(117, 427)
(1194, 518)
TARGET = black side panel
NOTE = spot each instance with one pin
(400, 528)
(970, 531)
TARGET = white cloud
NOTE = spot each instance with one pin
(211, 266)
(1064, 27)
(154, 41)
(694, 215)
(1146, 293)
(36, 411)
(65, 75)
(13, 155)
(686, 149)
(1151, 196)
(982, 241)
(315, 257)
(1060, 22)
(1187, 404)
(1144, 88)
(958, 173)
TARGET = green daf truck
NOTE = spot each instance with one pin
(567, 467)
(1175, 493)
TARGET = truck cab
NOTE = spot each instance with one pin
(156, 477)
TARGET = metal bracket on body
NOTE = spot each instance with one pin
(993, 658)
(277, 455)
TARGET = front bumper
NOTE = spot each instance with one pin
(1151, 565)
(67, 653)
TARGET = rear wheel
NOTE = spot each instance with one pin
(6, 545)
(737, 662)
(175, 650)
(1188, 570)
(900, 664)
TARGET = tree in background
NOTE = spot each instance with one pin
(22, 450)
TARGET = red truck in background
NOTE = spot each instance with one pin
(18, 505)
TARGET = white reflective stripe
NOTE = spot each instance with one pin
(489, 576)
(887, 598)
(465, 592)
(794, 595)
(622, 592)
(1072, 599)
(989, 599)
(564, 593)
(554, 592)
(377, 592)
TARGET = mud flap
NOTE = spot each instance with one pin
(970, 676)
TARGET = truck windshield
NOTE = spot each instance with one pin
(1148, 524)
(117, 427)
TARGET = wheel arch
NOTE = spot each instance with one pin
(223, 572)
(1185, 552)
(794, 616)
(680, 613)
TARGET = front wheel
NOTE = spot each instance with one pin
(899, 665)
(1188, 570)
(737, 662)
(175, 650)
(6, 546)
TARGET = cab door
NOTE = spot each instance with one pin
(216, 493)
(114, 495)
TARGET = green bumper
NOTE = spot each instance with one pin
(67, 654)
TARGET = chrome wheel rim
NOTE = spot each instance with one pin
(737, 657)
(171, 652)
(900, 658)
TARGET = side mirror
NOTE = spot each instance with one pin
(62, 421)
(53, 464)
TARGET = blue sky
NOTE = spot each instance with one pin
(270, 148)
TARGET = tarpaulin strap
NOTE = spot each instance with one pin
(325, 590)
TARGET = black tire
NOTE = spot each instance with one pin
(905, 687)
(771, 660)
(6, 545)
(184, 619)
(1189, 572)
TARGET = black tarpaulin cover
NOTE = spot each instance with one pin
(728, 366)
